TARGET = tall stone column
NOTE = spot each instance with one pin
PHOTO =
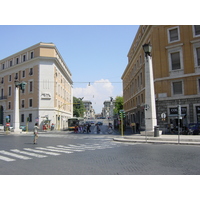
(150, 108)
(16, 123)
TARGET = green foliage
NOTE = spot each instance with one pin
(119, 101)
(78, 107)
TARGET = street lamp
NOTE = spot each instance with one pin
(150, 113)
(147, 49)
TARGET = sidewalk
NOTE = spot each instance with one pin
(163, 139)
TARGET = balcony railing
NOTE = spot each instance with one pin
(3, 97)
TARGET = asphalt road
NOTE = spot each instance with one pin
(68, 153)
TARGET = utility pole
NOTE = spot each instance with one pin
(179, 121)
(122, 115)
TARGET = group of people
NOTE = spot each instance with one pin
(82, 128)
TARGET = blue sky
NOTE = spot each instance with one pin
(93, 53)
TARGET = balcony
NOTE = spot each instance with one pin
(3, 98)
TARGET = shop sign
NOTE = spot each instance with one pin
(198, 109)
(174, 111)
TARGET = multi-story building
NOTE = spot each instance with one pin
(107, 110)
(176, 69)
(89, 111)
(48, 96)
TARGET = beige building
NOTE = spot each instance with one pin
(89, 111)
(176, 68)
(108, 109)
(48, 96)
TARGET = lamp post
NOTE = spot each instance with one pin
(150, 113)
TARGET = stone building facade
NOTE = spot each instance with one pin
(176, 68)
(48, 95)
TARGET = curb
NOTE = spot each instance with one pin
(155, 141)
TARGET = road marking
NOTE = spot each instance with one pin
(51, 149)
(14, 155)
(70, 148)
(44, 152)
(6, 159)
(28, 153)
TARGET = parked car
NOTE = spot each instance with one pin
(99, 123)
(194, 128)
(23, 127)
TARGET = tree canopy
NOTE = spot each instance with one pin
(78, 107)
(119, 101)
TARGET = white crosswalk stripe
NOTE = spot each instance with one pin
(6, 159)
(43, 152)
(52, 149)
(78, 149)
(14, 155)
(28, 153)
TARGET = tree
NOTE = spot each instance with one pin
(78, 107)
(119, 101)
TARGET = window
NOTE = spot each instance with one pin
(9, 78)
(196, 30)
(2, 93)
(31, 71)
(16, 76)
(23, 103)
(10, 63)
(22, 117)
(198, 86)
(9, 91)
(173, 34)
(3, 66)
(30, 117)
(23, 74)
(177, 88)
(198, 56)
(2, 80)
(30, 102)
(17, 60)
(196, 52)
(175, 61)
(30, 86)
(32, 55)
(9, 105)
(24, 58)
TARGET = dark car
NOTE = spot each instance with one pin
(99, 123)
(194, 128)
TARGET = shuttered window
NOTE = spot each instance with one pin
(177, 88)
(173, 35)
(175, 61)
(198, 56)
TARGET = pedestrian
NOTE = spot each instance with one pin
(98, 128)
(52, 126)
(35, 132)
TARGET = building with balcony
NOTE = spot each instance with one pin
(108, 109)
(48, 96)
(176, 69)
(89, 111)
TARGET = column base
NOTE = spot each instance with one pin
(148, 133)
(17, 131)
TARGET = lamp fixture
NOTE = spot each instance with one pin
(147, 49)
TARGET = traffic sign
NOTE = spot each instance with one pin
(163, 115)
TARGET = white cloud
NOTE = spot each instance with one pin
(97, 93)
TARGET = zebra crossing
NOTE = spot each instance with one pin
(44, 152)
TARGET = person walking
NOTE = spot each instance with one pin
(35, 132)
